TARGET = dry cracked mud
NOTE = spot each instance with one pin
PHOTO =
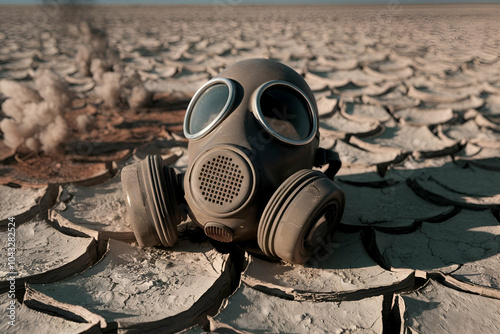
(409, 96)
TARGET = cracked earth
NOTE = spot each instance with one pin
(409, 96)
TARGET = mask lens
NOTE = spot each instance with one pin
(208, 107)
(286, 112)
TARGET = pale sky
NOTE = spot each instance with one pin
(210, 2)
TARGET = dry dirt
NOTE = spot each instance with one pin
(409, 96)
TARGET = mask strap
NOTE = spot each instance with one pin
(324, 157)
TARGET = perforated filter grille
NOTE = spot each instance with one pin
(220, 180)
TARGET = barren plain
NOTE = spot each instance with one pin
(409, 96)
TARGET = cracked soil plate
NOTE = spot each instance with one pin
(417, 140)
(468, 237)
(468, 187)
(253, 311)
(392, 208)
(98, 211)
(44, 254)
(341, 271)
(437, 309)
(17, 201)
(131, 285)
(31, 321)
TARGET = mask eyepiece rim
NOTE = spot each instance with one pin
(221, 114)
(257, 111)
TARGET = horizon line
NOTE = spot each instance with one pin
(253, 4)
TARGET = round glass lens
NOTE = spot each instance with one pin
(207, 107)
(286, 112)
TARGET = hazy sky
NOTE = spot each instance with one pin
(242, 1)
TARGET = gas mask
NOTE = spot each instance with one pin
(253, 141)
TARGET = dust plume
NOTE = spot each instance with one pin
(122, 89)
(96, 58)
(36, 114)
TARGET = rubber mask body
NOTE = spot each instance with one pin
(241, 190)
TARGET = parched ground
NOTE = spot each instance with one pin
(409, 96)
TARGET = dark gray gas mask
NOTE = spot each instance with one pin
(253, 141)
